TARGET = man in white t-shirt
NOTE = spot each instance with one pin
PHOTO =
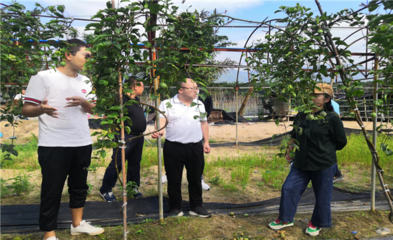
(187, 125)
(59, 99)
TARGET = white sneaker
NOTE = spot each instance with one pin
(85, 227)
(164, 179)
(205, 186)
(52, 238)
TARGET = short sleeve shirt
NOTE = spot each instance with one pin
(71, 129)
(184, 122)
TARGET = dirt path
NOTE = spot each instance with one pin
(247, 132)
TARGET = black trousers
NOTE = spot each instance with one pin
(133, 156)
(56, 164)
(176, 156)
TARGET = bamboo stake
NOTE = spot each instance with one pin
(123, 152)
(153, 57)
(123, 159)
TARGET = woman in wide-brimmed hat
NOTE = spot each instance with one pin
(315, 161)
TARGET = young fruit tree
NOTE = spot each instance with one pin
(292, 60)
(117, 53)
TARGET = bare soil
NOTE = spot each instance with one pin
(247, 132)
(353, 225)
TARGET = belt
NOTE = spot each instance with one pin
(135, 134)
(183, 143)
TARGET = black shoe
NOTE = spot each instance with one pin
(199, 212)
(337, 179)
(175, 213)
(108, 197)
(136, 193)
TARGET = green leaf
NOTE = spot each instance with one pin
(128, 129)
(323, 70)
(111, 135)
(169, 105)
(384, 27)
(103, 153)
(61, 8)
(13, 152)
(103, 82)
(115, 108)
(373, 7)
(147, 44)
(154, 8)
(388, 152)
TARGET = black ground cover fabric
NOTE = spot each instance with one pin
(24, 218)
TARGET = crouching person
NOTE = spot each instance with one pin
(315, 161)
(58, 99)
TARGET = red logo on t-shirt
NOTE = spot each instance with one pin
(83, 90)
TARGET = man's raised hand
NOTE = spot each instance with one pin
(51, 111)
(75, 101)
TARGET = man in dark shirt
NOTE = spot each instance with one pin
(208, 102)
(133, 148)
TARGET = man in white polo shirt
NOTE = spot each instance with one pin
(59, 99)
(187, 125)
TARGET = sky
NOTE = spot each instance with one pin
(255, 10)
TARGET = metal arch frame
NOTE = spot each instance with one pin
(270, 27)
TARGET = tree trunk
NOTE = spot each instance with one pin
(243, 107)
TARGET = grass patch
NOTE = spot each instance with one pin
(27, 156)
(239, 227)
(149, 157)
(272, 171)
(236, 175)
(355, 161)
(357, 155)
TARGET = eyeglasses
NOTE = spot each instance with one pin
(192, 89)
(87, 56)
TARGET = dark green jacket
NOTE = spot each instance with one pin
(318, 141)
